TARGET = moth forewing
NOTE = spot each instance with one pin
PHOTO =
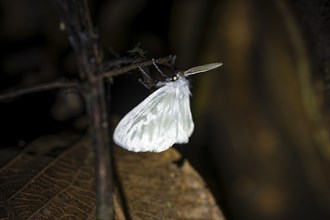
(200, 69)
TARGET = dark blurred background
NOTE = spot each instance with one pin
(261, 138)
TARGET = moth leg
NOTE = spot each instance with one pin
(145, 84)
(144, 73)
(173, 60)
(161, 73)
(147, 81)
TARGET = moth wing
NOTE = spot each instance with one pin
(153, 124)
(184, 117)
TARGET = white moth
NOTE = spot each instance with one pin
(163, 118)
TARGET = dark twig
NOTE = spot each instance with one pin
(38, 88)
(116, 63)
(77, 84)
(84, 40)
(134, 66)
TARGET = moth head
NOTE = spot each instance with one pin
(177, 75)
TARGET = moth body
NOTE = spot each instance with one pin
(162, 119)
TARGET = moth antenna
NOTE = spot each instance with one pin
(203, 68)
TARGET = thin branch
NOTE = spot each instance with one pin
(133, 66)
(84, 40)
(38, 88)
(118, 62)
(76, 84)
(75, 15)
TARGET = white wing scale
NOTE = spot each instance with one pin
(162, 119)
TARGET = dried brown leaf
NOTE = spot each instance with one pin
(156, 187)
(39, 186)
(53, 178)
